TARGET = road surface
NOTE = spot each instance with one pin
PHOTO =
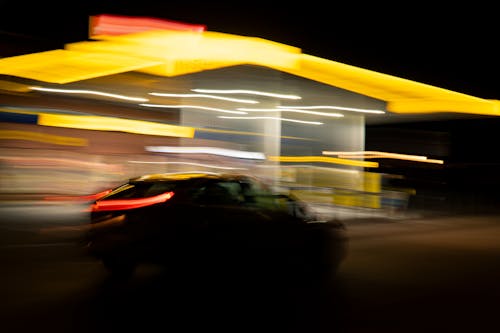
(435, 274)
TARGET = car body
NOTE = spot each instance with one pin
(219, 221)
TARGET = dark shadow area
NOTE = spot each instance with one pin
(224, 301)
(54, 286)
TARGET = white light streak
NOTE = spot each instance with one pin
(276, 118)
(249, 92)
(182, 106)
(90, 92)
(189, 163)
(331, 107)
(207, 150)
(316, 113)
(238, 100)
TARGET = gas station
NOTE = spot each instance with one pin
(144, 95)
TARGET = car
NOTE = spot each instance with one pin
(221, 222)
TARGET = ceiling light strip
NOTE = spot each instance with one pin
(249, 92)
(89, 92)
(238, 100)
(275, 118)
(330, 107)
(207, 150)
(325, 114)
(198, 107)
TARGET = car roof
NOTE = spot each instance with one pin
(173, 176)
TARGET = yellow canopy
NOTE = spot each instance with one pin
(173, 53)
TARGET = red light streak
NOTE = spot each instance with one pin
(106, 24)
(124, 204)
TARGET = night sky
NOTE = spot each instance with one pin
(452, 47)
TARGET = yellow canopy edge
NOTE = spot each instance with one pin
(173, 53)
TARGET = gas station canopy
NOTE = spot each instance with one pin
(171, 49)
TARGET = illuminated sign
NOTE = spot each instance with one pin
(119, 25)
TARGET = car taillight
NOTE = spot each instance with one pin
(124, 204)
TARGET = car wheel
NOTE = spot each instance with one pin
(119, 268)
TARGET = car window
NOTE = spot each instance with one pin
(263, 197)
(221, 193)
(159, 188)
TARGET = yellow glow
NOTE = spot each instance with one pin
(42, 137)
(371, 83)
(402, 95)
(114, 124)
(379, 154)
(175, 52)
(63, 66)
(199, 129)
(170, 53)
(16, 110)
(13, 86)
(183, 52)
(424, 105)
(322, 159)
(178, 175)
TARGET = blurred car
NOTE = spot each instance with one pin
(215, 221)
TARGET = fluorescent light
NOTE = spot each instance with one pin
(276, 118)
(249, 92)
(325, 114)
(190, 164)
(331, 107)
(238, 100)
(90, 92)
(182, 106)
(207, 150)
